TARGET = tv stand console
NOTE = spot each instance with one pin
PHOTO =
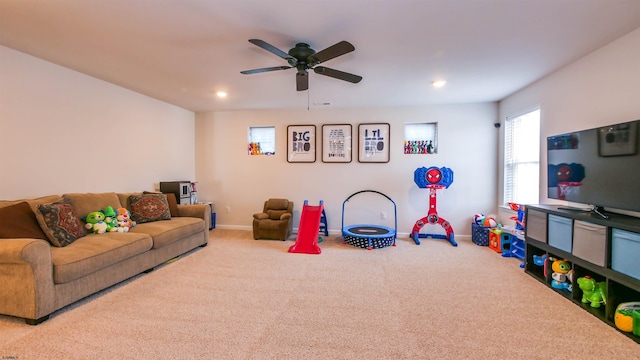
(605, 249)
(598, 210)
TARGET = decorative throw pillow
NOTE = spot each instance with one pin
(171, 200)
(60, 222)
(149, 207)
(19, 221)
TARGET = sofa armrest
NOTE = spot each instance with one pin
(26, 275)
(260, 216)
(285, 216)
(201, 211)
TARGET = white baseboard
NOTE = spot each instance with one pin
(331, 232)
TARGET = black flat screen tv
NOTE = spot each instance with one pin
(597, 167)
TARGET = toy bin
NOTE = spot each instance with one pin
(590, 242)
(536, 225)
(560, 232)
(625, 247)
(480, 234)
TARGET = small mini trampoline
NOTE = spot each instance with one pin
(369, 236)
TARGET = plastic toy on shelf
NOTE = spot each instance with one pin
(562, 274)
(539, 260)
(627, 317)
(593, 292)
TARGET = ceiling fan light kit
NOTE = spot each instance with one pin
(303, 58)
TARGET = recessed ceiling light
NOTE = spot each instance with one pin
(221, 94)
(438, 83)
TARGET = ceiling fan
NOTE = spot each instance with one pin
(303, 57)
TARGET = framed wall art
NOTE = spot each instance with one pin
(336, 143)
(373, 143)
(301, 143)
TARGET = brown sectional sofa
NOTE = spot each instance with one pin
(38, 278)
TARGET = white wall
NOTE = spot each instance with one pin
(467, 140)
(600, 89)
(62, 131)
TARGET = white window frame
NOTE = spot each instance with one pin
(421, 132)
(521, 182)
(265, 135)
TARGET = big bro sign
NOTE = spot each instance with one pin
(301, 141)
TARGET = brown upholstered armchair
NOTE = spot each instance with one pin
(275, 221)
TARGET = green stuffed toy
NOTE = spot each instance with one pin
(95, 222)
(101, 221)
(110, 219)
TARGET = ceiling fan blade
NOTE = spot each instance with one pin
(302, 80)
(270, 48)
(331, 52)
(337, 74)
(273, 68)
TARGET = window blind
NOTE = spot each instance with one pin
(522, 158)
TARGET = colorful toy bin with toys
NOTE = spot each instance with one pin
(480, 228)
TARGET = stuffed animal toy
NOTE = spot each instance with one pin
(95, 222)
(110, 219)
(123, 217)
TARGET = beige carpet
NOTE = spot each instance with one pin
(244, 299)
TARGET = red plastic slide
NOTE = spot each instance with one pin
(308, 230)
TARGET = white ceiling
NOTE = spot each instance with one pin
(183, 52)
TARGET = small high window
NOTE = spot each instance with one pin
(421, 138)
(262, 140)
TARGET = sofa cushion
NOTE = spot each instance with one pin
(124, 199)
(173, 204)
(19, 221)
(277, 204)
(86, 203)
(171, 200)
(149, 207)
(33, 202)
(60, 222)
(276, 214)
(95, 252)
(169, 231)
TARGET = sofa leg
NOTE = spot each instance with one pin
(205, 244)
(36, 321)
(148, 271)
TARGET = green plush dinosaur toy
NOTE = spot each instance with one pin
(592, 291)
(110, 218)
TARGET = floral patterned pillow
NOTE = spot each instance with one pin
(60, 222)
(149, 207)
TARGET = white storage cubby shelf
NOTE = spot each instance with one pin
(608, 250)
